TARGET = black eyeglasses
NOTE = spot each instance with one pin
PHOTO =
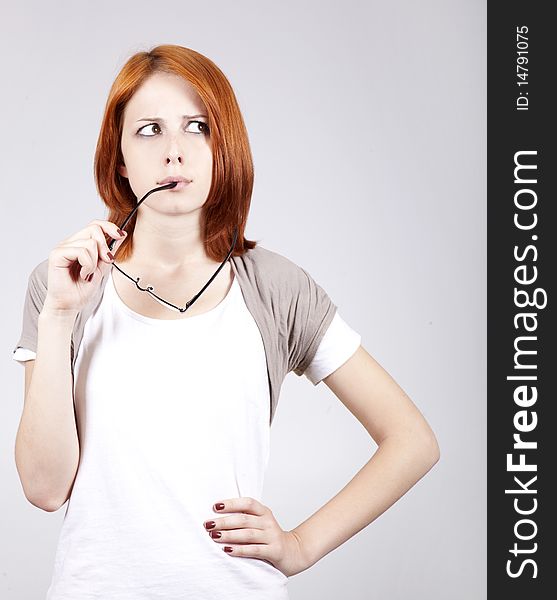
(150, 288)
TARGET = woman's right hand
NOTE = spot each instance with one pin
(73, 260)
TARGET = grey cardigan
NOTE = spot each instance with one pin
(291, 310)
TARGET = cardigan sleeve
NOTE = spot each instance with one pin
(32, 306)
(312, 313)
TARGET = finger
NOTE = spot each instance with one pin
(244, 504)
(111, 229)
(91, 247)
(251, 550)
(237, 521)
(114, 234)
(97, 237)
(77, 258)
(98, 234)
(239, 536)
(114, 245)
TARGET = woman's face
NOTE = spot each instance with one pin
(163, 135)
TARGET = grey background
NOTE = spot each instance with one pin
(367, 122)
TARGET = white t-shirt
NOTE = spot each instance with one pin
(173, 416)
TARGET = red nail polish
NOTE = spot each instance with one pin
(227, 549)
(90, 277)
(219, 506)
(215, 534)
(210, 524)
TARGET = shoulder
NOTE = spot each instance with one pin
(280, 281)
(39, 274)
(264, 263)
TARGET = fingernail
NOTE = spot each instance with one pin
(227, 549)
(90, 277)
(110, 255)
(215, 534)
(219, 506)
(210, 525)
(121, 232)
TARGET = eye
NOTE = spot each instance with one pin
(149, 125)
(205, 127)
(202, 124)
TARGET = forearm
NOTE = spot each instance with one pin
(47, 445)
(394, 468)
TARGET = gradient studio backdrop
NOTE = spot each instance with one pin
(367, 122)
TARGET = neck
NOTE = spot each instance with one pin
(168, 243)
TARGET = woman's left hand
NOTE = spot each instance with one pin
(254, 532)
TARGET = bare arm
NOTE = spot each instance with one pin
(407, 450)
(47, 445)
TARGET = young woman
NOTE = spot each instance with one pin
(163, 461)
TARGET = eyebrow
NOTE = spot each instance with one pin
(161, 119)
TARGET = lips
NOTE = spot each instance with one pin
(177, 178)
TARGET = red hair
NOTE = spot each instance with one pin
(229, 197)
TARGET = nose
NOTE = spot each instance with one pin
(174, 153)
(173, 157)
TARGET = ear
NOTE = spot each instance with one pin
(123, 170)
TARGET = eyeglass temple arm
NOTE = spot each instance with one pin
(157, 189)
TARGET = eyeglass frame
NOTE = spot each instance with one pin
(150, 288)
